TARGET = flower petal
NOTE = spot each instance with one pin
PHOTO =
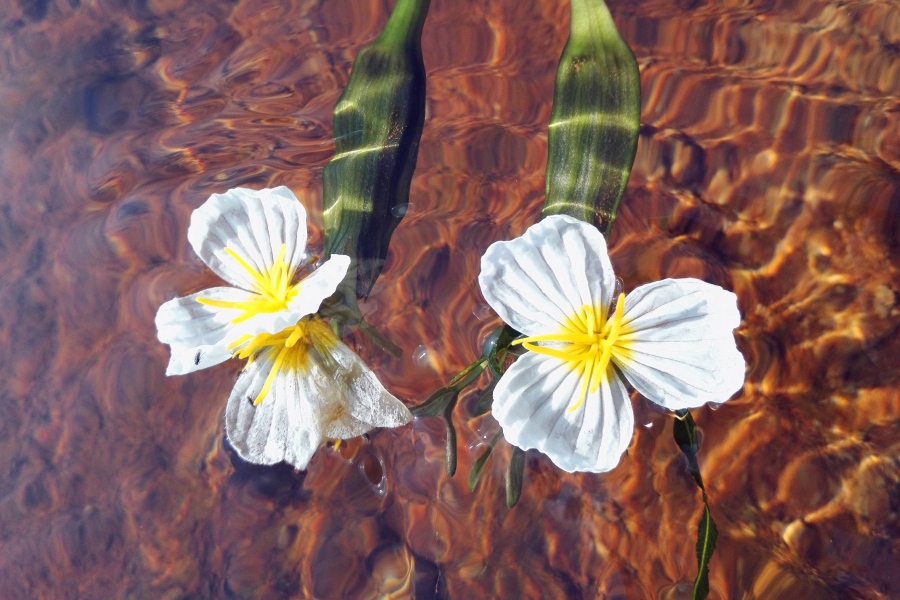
(198, 334)
(319, 285)
(539, 281)
(283, 427)
(680, 343)
(252, 223)
(532, 403)
(332, 394)
(369, 402)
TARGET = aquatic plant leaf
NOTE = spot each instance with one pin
(707, 534)
(479, 465)
(444, 401)
(450, 452)
(595, 120)
(684, 430)
(515, 475)
(468, 375)
(378, 122)
(485, 399)
(436, 403)
(496, 346)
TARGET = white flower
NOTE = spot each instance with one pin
(671, 339)
(302, 384)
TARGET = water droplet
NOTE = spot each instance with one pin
(420, 355)
(482, 312)
(400, 210)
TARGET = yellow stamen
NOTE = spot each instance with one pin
(337, 444)
(292, 344)
(273, 290)
(588, 345)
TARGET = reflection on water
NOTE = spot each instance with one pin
(768, 163)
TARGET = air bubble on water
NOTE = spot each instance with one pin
(400, 210)
(482, 312)
(420, 355)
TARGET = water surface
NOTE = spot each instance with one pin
(768, 163)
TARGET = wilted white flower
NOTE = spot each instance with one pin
(302, 385)
(672, 340)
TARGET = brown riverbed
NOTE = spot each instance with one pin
(769, 163)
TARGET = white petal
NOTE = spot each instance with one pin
(318, 285)
(538, 281)
(254, 224)
(198, 334)
(681, 349)
(283, 427)
(532, 402)
(369, 402)
(333, 396)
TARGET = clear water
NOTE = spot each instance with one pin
(769, 163)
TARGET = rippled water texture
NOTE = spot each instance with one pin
(768, 163)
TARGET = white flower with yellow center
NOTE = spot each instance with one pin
(672, 340)
(302, 385)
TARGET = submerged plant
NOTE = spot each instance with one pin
(378, 122)
(301, 384)
(672, 340)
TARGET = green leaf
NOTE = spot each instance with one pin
(515, 475)
(378, 122)
(468, 375)
(595, 119)
(496, 346)
(707, 534)
(436, 403)
(485, 399)
(479, 465)
(684, 430)
(450, 451)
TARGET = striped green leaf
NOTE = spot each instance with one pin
(595, 120)
(378, 122)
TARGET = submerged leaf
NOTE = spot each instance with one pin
(707, 534)
(515, 474)
(378, 122)
(684, 430)
(436, 403)
(479, 465)
(595, 120)
(485, 399)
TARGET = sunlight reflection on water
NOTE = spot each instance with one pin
(768, 163)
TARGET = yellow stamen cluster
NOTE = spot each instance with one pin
(589, 339)
(273, 289)
(291, 355)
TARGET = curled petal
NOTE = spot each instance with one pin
(252, 223)
(369, 402)
(198, 334)
(677, 343)
(540, 281)
(319, 285)
(325, 392)
(532, 403)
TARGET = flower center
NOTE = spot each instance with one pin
(589, 339)
(273, 289)
(309, 331)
